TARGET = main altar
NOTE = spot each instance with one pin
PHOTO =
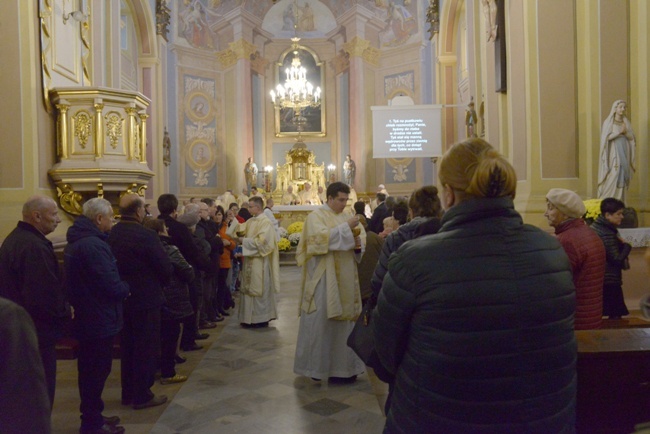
(299, 168)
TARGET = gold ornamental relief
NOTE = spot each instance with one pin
(371, 55)
(69, 199)
(356, 46)
(114, 122)
(227, 57)
(242, 49)
(82, 127)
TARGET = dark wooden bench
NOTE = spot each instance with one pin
(613, 379)
(625, 323)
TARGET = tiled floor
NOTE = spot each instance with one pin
(243, 383)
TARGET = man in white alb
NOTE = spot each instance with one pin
(261, 269)
(330, 300)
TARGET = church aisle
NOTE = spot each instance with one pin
(244, 383)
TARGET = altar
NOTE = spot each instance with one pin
(299, 168)
(287, 214)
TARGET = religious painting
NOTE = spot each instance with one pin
(196, 22)
(401, 22)
(201, 159)
(198, 107)
(310, 120)
(307, 18)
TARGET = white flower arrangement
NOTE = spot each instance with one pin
(294, 238)
(283, 232)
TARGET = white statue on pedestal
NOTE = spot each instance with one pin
(617, 152)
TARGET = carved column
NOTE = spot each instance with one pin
(131, 135)
(62, 146)
(99, 129)
(143, 137)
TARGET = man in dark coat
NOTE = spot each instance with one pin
(376, 222)
(30, 276)
(181, 237)
(145, 266)
(207, 211)
(24, 404)
(96, 293)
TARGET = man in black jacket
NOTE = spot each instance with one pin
(376, 222)
(181, 237)
(24, 404)
(30, 277)
(207, 210)
(145, 266)
(96, 293)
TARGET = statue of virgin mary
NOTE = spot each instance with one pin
(617, 149)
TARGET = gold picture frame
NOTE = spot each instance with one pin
(316, 118)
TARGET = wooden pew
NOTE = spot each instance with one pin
(613, 379)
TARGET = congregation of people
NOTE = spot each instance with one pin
(472, 312)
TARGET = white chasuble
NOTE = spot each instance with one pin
(330, 300)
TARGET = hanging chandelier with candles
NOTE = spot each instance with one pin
(297, 93)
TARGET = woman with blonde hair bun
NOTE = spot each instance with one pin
(476, 321)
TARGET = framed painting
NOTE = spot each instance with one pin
(313, 117)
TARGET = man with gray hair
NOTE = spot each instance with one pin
(30, 276)
(143, 263)
(96, 292)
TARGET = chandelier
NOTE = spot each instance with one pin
(297, 93)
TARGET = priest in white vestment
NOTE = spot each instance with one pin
(289, 197)
(243, 197)
(260, 278)
(330, 301)
(309, 196)
(228, 198)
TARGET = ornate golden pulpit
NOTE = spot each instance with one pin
(101, 145)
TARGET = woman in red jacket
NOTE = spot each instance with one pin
(223, 300)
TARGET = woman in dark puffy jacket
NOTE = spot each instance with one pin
(616, 256)
(176, 307)
(476, 322)
(425, 209)
(424, 205)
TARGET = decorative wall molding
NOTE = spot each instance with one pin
(242, 49)
(358, 47)
(341, 62)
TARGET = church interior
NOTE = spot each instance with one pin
(103, 98)
(155, 97)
